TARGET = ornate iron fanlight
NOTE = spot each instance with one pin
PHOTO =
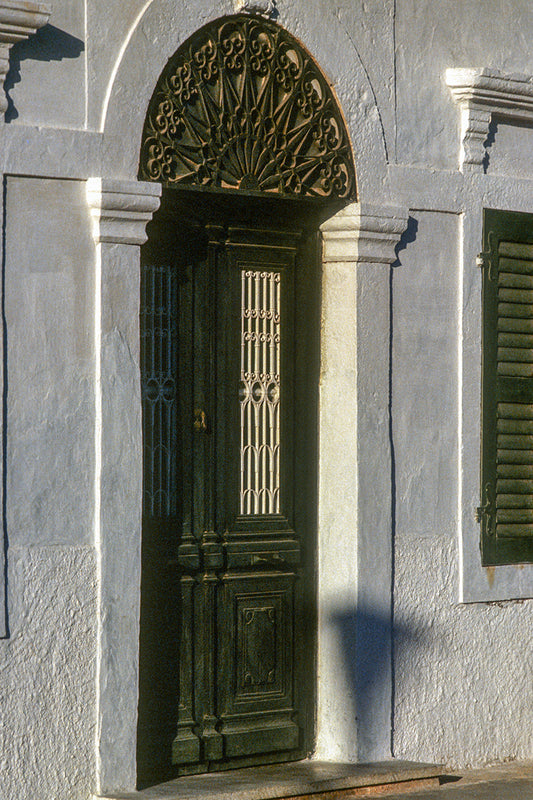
(242, 105)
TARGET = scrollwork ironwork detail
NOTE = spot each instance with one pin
(242, 105)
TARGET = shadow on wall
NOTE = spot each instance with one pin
(369, 644)
(48, 44)
(407, 237)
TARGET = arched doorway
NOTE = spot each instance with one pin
(247, 138)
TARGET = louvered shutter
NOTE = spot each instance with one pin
(507, 399)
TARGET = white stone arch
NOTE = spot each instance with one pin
(164, 25)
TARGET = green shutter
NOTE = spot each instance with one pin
(507, 397)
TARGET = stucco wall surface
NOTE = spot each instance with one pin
(49, 288)
(369, 27)
(63, 75)
(463, 691)
(46, 82)
(47, 676)
(433, 35)
(106, 36)
(462, 673)
(47, 666)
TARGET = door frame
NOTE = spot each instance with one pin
(354, 442)
(232, 227)
(354, 498)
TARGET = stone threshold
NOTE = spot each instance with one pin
(300, 780)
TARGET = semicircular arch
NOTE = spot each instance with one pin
(165, 26)
(242, 105)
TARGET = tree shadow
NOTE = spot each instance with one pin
(48, 44)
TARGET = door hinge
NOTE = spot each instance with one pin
(486, 261)
(482, 260)
(485, 514)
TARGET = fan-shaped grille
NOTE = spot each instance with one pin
(241, 105)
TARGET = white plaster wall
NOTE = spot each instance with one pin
(47, 666)
(432, 35)
(462, 686)
(64, 75)
(49, 288)
(463, 673)
(510, 151)
(47, 79)
(106, 36)
(47, 675)
(369, 26)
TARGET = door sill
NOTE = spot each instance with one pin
(305, 780)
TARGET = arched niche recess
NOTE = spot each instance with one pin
(247, 138)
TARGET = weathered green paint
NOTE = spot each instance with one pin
(228, 633)
(507, 398)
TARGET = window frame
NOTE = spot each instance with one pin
(478, 583)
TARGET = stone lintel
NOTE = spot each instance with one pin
(19, 19)
(121, 210)
(482, 94)
(364, 232)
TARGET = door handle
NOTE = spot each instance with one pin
(200, 423)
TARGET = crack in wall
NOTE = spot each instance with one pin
(350, 38)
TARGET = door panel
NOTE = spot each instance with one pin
(259, 360)
(218, 365)
(256, 703)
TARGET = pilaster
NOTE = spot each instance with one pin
(120, 212)
(19, 19)
(355, 507)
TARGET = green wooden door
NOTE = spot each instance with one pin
(228, 371)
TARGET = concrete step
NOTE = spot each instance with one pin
(301, 780)
(510, 781)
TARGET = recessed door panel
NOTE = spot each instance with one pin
(256, 698)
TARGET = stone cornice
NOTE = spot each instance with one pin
(19, 19)
(482, 94)
(121, 210)
(363, 232)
